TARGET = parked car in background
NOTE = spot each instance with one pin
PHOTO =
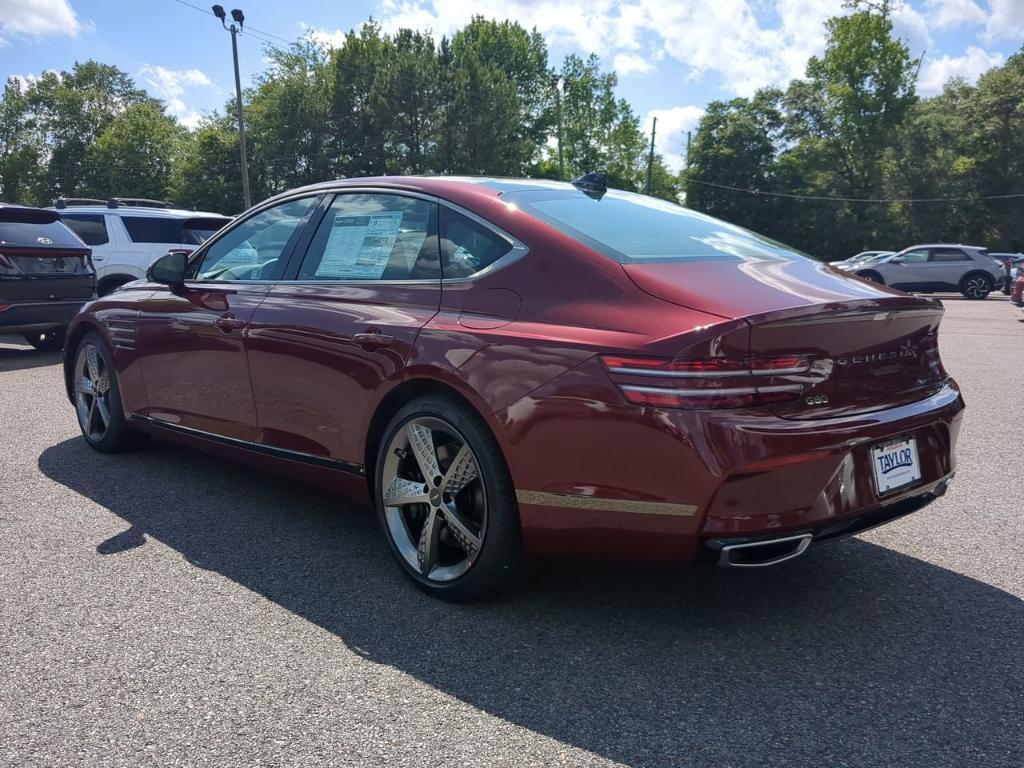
(128, 234)
(1017, 287)
(863, 256)
(937, 267)
(513, 366)
(45, 275)
(860, 261)
(1008, 261)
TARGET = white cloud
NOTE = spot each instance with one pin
(952, 13)
(1006, 19)
(38, 18)
(673, 123)
(626, 64)
(724, 37)
(170, 85)
(325, 38)
(912, 28)
(936, 72)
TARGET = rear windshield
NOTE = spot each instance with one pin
(53, 234)
(636, 229)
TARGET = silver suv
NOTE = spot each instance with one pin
(128, 234)
(938, 267)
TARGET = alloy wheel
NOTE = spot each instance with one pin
(976, 288)
(92, 392)
(434, 500)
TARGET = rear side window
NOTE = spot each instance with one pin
(150, 229)
(632, 228)
(92, 228)
(949, 254)
(467, 246)
(374, 237)
(198, 231)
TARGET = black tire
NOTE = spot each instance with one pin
(117, 435)
(499, 561)
(870, 274)
(976, 285)
(47, 341)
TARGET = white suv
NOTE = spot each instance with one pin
(937, 267)
(129, 234)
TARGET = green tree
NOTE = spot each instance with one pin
(20, 148)
(132, 156)
(206, 173)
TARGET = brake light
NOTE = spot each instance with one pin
(704, 383)
(4, 307)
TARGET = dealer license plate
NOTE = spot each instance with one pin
(896, 464)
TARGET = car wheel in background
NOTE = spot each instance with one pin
(47, 341)
(976, 285)
(445, 500)
(98, 400)
(871, 275)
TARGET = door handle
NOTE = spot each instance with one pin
(372, 339)
(228, 323)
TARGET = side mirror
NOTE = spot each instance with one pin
(169, 269)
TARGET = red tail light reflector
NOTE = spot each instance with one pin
(705, 383)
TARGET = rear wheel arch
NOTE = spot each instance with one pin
(393, 402)
(976, 273)
(872, 275)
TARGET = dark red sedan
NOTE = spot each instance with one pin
(509, 367)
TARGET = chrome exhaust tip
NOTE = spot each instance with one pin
(760, 554)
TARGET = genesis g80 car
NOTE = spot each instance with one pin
(513, 367)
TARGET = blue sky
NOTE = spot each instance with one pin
(673, 56)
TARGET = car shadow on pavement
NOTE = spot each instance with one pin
(19, 358)
(853, 655)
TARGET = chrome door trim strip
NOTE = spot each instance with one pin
(269, 450)
(631, 506)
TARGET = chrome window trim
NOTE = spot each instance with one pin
(518, 248)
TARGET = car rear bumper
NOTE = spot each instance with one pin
(612, 481)
(29, 317)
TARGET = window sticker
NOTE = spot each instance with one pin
(359, 247)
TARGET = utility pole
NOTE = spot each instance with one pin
(239, 18)
(650, 157)
(688, 150)
(558, 106)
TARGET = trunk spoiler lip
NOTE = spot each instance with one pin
(875, 310)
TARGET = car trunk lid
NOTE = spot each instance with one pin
(856, 347)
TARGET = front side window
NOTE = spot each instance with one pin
(467, 246)
(637, 229)
(92, 228)
(374, 237)
(251, 250)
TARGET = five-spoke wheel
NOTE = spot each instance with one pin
(92, 392)
(446, 501)
(97, 398)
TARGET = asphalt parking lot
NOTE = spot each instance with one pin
(168, 608)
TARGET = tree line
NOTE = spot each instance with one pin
(816, 164)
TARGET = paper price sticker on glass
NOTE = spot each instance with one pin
(359, 247)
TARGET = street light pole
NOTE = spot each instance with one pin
(239, 17)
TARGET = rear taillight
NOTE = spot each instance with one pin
(705, 383)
